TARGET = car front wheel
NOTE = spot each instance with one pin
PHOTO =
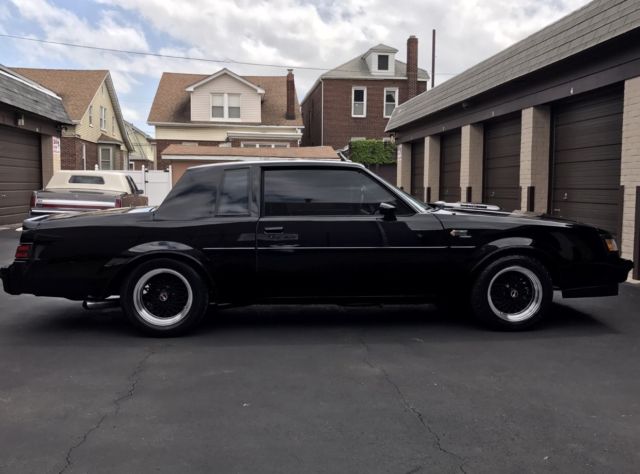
(512, 293)
(164, 297)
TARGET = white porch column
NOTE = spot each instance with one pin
(535, 141)
(471, 154)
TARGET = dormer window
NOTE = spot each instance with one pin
(225, 106)
(383, 62)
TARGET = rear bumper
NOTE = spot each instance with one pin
(596, 279)
(12, 276)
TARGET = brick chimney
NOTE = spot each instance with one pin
(412, 66)
(291, 96)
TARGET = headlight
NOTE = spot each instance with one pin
(611, 244)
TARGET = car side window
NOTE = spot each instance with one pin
(132, 185)
(325, 192)
(234, 193)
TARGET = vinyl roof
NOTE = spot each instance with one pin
(307, 152)
(595, 23)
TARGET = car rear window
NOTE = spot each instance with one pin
(234, 194)
(79, 179)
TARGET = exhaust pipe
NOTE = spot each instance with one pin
(103, 304)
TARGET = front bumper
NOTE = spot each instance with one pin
(596, 279)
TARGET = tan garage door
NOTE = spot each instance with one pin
(20, 173)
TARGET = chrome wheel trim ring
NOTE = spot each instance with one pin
(536, 299)
(142, 310)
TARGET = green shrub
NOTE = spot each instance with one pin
(372, 152)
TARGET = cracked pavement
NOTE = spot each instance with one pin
(318, 390)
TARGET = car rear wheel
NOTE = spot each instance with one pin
(164, 297)
(512, 293)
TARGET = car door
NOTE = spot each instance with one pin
(321, 234)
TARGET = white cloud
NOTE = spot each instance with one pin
(318, 33)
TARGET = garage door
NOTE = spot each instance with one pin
(417, 170)
(586, 158)
(450, 166)
(20, 172)
(501, 167)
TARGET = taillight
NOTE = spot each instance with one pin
(33, 200)
(118, 202)
(23, 252)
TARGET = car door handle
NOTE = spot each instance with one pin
(273, 230)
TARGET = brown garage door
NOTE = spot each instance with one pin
(501, 168)
(450, 166)
(20, 172)
(417, 169)
(586, 158)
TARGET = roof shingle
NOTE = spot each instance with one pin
(171, 102)
(76, 87)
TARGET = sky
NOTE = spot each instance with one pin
(286, 33)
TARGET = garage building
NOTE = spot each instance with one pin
(551, 124)
(31, 119)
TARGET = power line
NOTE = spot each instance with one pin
(186, 58)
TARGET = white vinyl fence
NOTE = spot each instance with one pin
(155, 184)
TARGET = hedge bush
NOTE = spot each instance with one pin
(372, 152)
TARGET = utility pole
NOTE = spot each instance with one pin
(433, 58)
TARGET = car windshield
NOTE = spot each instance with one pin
(422, 205)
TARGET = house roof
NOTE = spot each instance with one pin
(133, 128)
(77, 88)
(222, 71)
(22, 93)
(595, 23)
(357, 67)
(171, 102)
(307, 152)
(107, 139)
(380, 48)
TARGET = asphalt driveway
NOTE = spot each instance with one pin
(319, 389)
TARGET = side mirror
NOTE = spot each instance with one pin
(388, 211)
(139, 191)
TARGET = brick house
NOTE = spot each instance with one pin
(549, 125)
(225, 109)
(356, 99)
(97, 136)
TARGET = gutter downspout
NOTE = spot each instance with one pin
(321, 112)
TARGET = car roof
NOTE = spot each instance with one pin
(289, 162)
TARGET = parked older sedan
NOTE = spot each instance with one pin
(81, 191)
(299, 231)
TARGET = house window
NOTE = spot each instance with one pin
(225, 106)
(390, 100)
(103, 118)
(359, 102)
(263, 145)
(383, 62)
(91, 115)
(106, 158)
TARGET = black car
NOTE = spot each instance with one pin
(308, 231)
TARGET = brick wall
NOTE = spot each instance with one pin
(339, 126)
(630, 167)
(161, 145)
(312, 117)
(71, 153)
(535, 139)
(471, 161)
